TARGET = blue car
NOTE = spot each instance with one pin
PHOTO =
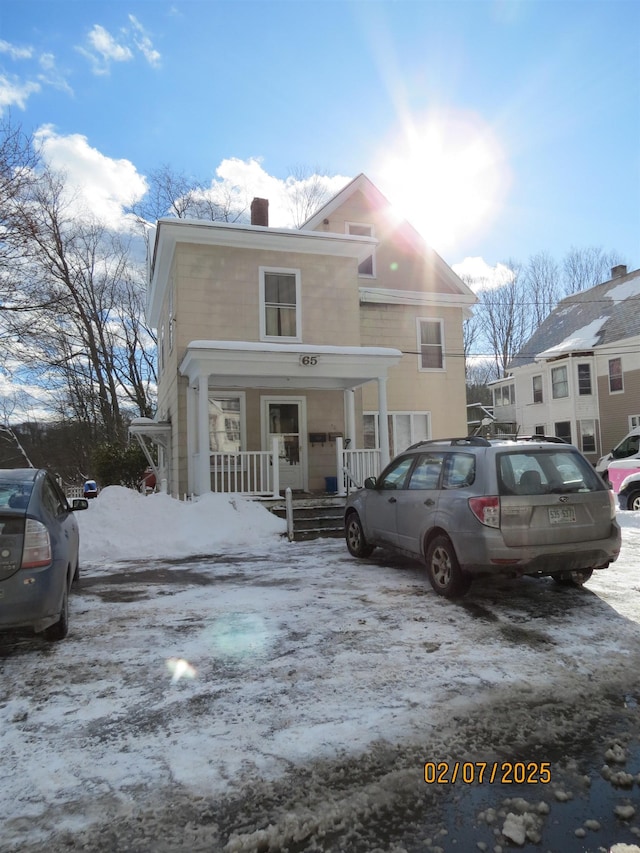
(39, 544)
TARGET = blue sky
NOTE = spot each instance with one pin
(500, 129)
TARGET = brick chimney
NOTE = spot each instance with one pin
(616, 272)
(260, 211)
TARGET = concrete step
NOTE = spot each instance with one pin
(315, 518)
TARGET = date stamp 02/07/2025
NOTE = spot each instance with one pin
(493, 772)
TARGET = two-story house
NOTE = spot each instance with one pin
(578, 376)
(287, 357)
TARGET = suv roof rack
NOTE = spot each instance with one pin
(464, 440)
(551, 438)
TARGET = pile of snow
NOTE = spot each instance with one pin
(122, 524)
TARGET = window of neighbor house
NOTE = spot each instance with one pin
(588, 436)
(405, 429)
(279, 304)
(559, 382)
(225, 423)
(634, 421)
(563, 430)
(584, 379)
(171, 319)
(430, 344)
(537, 389)
(367, 267)
(615, 375)
(539, 430)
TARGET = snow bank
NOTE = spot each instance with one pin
(122, 524)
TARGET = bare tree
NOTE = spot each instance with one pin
(541, 281)
(584, 268)
(175, 194)
(506, 319)
(307, 191)
(85, 343)
(18, 160)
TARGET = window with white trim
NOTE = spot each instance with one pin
(584, 380)
(226, 423)
(559, 382)
(616, 383)
(366, 268)
(430, 344)
(405, 429)
(280, 311)
(171, 318)
(588, 436)
(634, 421)
(537, 389)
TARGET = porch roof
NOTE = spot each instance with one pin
(247, 364)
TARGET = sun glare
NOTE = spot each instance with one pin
(447, 176)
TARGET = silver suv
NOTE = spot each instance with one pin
(472, 506)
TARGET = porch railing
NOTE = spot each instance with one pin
(354, 466)
(251, 472)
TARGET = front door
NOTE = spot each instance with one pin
(284, 418)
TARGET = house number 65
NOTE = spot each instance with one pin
(308, 360)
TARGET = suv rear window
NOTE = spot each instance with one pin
(538, 472)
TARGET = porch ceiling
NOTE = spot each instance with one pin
(243, 364)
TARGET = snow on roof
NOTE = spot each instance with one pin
(582, 339)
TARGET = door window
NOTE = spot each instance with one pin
(396, 475)
(426, 474)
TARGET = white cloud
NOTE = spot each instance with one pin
(480, 275)
(14, 92)
(246, 179)
(105, 186)
(103, 48)
(15, 52)
(143, 43)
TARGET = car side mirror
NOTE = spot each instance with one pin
(370, 483)
(79, 503)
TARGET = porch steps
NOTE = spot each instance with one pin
(315, 517)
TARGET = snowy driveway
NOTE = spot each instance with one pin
(287, 696)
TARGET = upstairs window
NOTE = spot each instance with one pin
(280, 304)
(559, 382)
(615, 375)
(367, 267)
(537, 389)
(584, 380)
(430, 344)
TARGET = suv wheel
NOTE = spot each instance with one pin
(577, 578)
(354, 534)
(445, 574)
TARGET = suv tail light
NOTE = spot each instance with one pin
(612, 503)
(486, 510)
(37, 545)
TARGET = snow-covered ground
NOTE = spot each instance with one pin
(209, 658)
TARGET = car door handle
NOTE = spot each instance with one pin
(393, 500)
(429, 502)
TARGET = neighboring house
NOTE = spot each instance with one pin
(578, 376)
(322, 348)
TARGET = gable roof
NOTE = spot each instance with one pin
(601, 315)
(447, 279)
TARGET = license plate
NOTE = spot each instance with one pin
(562, 515)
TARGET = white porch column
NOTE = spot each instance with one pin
(203, 474)
(350, 417)
(192, 432)
(383, 426)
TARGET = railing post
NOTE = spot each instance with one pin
(340, 465)
(288, 504)
(275, 466)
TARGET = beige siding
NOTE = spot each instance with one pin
(616, 408)
(442, 393)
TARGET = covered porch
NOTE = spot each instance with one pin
(292, 403)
